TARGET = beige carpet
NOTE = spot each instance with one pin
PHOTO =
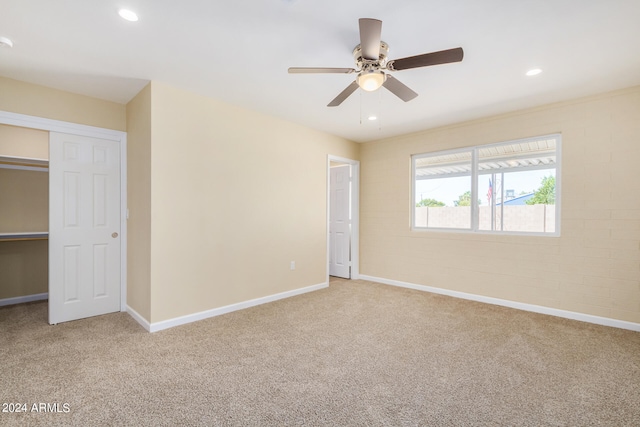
(356, 354)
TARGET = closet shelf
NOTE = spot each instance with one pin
(13, 237)
(28, 163)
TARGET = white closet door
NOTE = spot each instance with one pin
(84, 227)
(339, 222)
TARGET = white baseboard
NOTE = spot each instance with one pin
(138, 318)
(182, 320)
(605, 321)
(26, 298)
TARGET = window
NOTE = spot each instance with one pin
(510, 188)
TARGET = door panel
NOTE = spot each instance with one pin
(71, 273)
(84, 227)
(339, 222)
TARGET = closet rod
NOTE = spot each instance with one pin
(22, 239)
(15, 237)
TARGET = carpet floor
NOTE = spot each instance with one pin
(355, 354)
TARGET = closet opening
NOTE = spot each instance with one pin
(24, 214)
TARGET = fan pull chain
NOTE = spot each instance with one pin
(371, 105)
(360, 94)
(379, 115)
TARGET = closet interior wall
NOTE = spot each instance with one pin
(24, 211)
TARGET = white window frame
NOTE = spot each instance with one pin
(474, 226)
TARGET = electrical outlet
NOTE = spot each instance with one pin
(293, 265)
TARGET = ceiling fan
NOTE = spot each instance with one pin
(372, 66)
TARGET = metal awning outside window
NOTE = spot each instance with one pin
(539, 153)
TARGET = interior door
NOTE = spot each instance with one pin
(84, 227)
(339, 222)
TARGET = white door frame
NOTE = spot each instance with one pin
(354, 202)
(49, 125)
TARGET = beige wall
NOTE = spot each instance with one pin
(139, 203)
(235, 196)
(26, 98)
(23, 142)
(24, 268)
(593, 268)
(24, 201)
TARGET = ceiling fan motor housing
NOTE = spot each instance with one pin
(371, 64)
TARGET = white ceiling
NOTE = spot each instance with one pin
(239, 52)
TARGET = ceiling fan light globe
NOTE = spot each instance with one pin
(371, 81)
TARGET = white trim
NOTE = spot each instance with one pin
(50, 125)
(124, 216)
(475, 208)
(182, 320)
(605, 321)
(558, 201)
(138, 318)
(20, 300)
(355, 212)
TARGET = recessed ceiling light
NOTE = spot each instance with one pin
(534, 72)
(372, 118)
(5, 42)
(127, 14)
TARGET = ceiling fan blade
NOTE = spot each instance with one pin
(370, 31)
(399, 89)
(344, 95)
(433, 58)
(310, 70)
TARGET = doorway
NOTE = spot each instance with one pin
(343, 189)
(105, 278)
